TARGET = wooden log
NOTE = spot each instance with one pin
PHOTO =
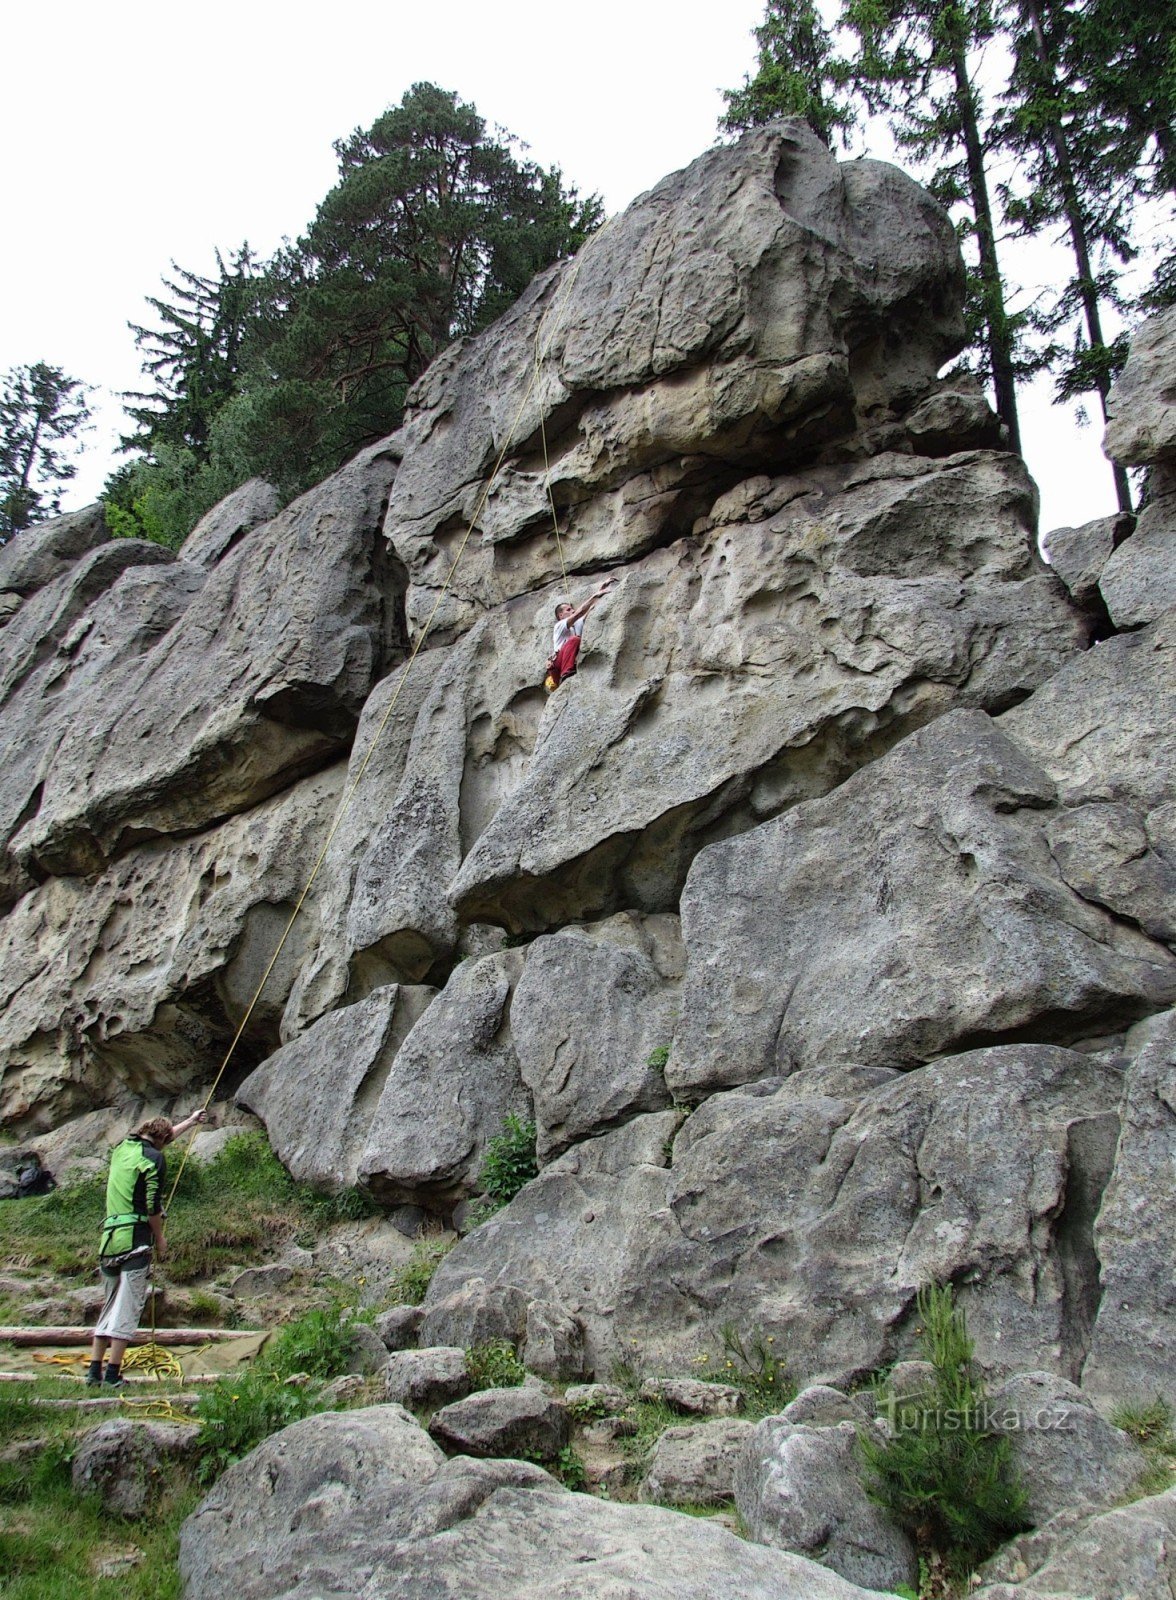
(164, 1336)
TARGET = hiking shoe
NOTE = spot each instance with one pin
(94, 1380)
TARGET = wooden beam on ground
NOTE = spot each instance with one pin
(164, 1336)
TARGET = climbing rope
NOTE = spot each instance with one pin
(541, 351)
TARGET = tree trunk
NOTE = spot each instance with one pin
(1000, 348)
(1076, 224)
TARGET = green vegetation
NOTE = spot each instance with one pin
(320, 1344)
(510, 1161)
(658, 1057)
(237, 1413)
(54, 1542)
(1150, 1425)
(242, 1200)
(749, 1363)
(569, 1468)
(410, 1284)
(40, 409)
(286, 368)
(495, 1365)
(940, 1475)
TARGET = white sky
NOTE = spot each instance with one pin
(139, 133)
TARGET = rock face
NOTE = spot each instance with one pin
(798, 1488)
(1138, 581)
(822, 922)
(743, 357)
(1130, 1551)
(359, 1503)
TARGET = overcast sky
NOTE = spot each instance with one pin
(140, 133)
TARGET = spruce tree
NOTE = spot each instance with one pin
(798, 74)
(40, 410)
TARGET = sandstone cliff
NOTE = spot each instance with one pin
(823, 922)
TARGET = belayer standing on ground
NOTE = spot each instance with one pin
(567, 633)
(134, 1225)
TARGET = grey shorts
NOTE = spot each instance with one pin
(126, 1292)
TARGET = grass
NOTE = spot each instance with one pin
(53, 1540)
(410, 1284)
(1150, 1425)
(242, 1201)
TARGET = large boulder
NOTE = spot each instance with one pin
(1138, 581)
(453, 1083)
(914, 909)
(1126, 1554)
(93, 620)
(696, 1466)
(220, 529)
(1066, 1455)
(592, 1017)
(316, 1095)
(360, 1503)
(131, 1465)
(1141, 407)
(799, 1488)
(525, 1422)
(569, 1234)
(812, 1210)
(32, 559)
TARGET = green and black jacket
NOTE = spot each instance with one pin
(134, 1192)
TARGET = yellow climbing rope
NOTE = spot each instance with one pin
(541, 351)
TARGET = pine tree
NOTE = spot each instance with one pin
(40, 410)
(798, 74)
(434, 227)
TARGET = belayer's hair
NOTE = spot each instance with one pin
(156, 1130)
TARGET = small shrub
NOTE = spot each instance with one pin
(410, 1284)
(749, 1363)
(320, 1344)
(495, 1366)
(237, 1413)
(510, 1161)
(947, 1482)
(569, 1468)
(658, 1057)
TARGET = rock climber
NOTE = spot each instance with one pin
(134, 1225)
(567, 633)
